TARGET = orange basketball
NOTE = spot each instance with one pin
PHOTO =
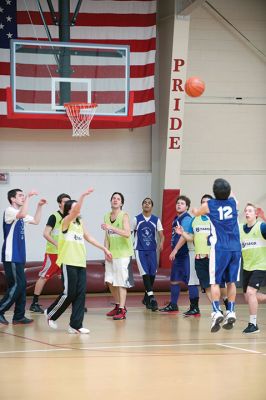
(194, 86)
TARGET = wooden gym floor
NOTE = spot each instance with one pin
(150, 356)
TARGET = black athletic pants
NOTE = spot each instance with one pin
(74, 281)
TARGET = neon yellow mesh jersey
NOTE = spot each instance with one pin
(71, 246)
(118, 245)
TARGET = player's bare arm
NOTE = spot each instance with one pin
(179, 244)
(47, 235)
(202, 210)
(90, 239)
(75, 210)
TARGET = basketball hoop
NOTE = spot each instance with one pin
(80, 115)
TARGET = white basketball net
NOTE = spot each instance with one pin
(80, 115)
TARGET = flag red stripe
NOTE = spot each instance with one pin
(92, 71)
(44, 97)
(86, 19)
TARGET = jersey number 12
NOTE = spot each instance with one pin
(225, 212)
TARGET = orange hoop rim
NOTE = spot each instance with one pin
(77, 104)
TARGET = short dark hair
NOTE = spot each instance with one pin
(185, 199)
(12, 193)
(120, 194)
(147, 198)
(221, 189)
(67, 208)
(62, 196)
(206, 196)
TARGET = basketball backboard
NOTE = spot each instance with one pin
(45, 75)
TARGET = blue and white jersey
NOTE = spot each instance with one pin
(224, 224)
(184, 220)
(14, 248)
(145, 231)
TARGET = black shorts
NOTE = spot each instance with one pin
(254, 279)
(203, 273)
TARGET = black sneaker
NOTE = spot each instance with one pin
(153, 304)
(192, 312)
(169, 308)
(3, 321)
(36, 308)
(251, 328)
(22, 321)
(146, 301)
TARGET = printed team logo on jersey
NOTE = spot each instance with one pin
(75, 237)
(147, 235)
(202, 228)
(252, 243)
(22, 231)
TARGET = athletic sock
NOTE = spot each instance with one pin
(152, 279)
(253, 319)
(35, 298)
(216, 306)
(193, 292)
(225, 300)
(194, 303)
(231, 306)
(147, 283)
(175, 290)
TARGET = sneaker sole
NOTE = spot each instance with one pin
(217, 327)
(229, 324)
(191, 315)
(37, 312)
(22, 323)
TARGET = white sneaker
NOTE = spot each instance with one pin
(230, 319)
(80, 330)
(50, 322)
(217, 319)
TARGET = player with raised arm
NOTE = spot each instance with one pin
(199, 232)
(225, 253)
(14, 253)
(49, 268)
(72, 259)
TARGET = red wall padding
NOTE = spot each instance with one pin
(168, 214)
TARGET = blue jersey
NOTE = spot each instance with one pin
(146, 233)
(14, 248)
(183, 220)
(224, 224)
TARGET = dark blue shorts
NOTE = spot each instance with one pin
(180, 269)
(147, 262)
(224, 266)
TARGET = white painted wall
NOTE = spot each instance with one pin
(108, 150)
(223, 138)
(135, 186)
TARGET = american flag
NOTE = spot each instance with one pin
(124, 22)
